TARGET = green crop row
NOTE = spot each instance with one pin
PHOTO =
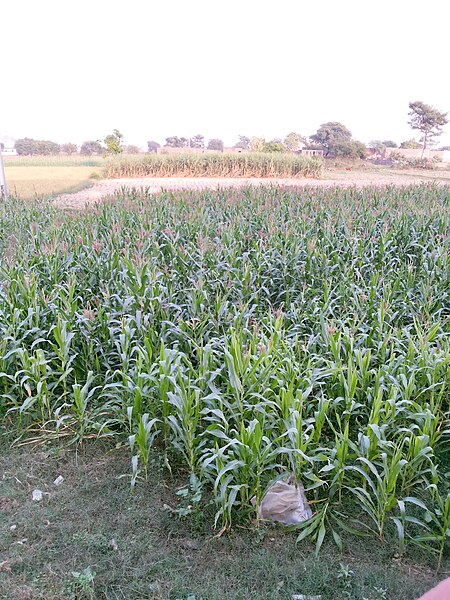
(244, 335)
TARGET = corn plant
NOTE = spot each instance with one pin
(141, 441)
(243, 334)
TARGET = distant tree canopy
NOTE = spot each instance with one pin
(198, 141)
(410, 145)
(428, 120)
(330, 135)
(69, 148)
(131, 149)
(390, 144)
(153, 146)
(244, 142)
(215, 144)
(293, 141)
(349, 149)
(177, 142)
(91, 147)
(113, 143)
(378, 146)
(30, 147)
(275, 145)
(336, 140)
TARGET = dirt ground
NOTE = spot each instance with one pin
(103, 188)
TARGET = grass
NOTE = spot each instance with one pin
(233, 337)
(30, 181)
(214, 165)
(140, 550)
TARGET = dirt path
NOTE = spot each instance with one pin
(101, 189)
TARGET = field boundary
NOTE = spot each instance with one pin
(107, 187)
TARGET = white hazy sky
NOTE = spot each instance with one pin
(73, 70)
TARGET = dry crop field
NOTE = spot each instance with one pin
(73, 179)
(224, 339)
(36, 176)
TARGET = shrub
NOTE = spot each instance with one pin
(399, 161)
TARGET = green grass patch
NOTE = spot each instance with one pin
(130, 547)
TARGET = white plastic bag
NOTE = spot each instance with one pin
(285, 502)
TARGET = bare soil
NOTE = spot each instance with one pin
(337, 178)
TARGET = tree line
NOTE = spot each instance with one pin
(333, 138)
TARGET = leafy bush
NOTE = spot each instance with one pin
(348, 148)
(399, 161)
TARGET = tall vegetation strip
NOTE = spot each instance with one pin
(244, 335)
(214, 165)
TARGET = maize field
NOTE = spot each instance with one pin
(241, 336)
(214, 165)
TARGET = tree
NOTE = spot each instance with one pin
(257, 144)
(177, 142)
(25, 146)
(410, 145)
(91, 147)
(113, 142)
(69, 148)
(329, 134)
(215, 144)
(131, 149)
(390, 144)
(153, 146)
(30, 147)
(378, 146)
(428, 120)
(198, 141)
(274, 146)
(48, 148)
(359, 150)
(294, 141)
(349, 149)
(244, 142)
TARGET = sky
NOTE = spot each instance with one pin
(74, 70)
